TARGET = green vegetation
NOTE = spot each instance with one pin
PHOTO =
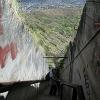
(54, 28)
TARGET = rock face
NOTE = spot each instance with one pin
(85, 51)
(21, 58)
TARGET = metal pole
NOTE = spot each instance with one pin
(53, 57)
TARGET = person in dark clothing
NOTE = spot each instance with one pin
(53, 89)
(47, 78)
(58, 81)
(53, 83)
(58, 86)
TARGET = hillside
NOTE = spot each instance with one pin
(54, 28)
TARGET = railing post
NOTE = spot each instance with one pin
(61, 91)
(77, 92)
(74, 95)
(80, 93)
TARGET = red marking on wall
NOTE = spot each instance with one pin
(12, 48)
(2, 58)
(1, 26)
(97, 24)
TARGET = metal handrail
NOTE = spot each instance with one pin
(77, 91)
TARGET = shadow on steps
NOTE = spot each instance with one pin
(26, 93)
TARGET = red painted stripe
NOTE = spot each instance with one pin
(97, 24)
(12, 48)
(2, 58)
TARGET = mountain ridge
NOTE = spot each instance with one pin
(52, 1)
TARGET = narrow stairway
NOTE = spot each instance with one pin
(45, 95)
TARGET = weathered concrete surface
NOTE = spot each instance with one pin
(31, 93)
(45, 96)
(85, 70)
(26, 93)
